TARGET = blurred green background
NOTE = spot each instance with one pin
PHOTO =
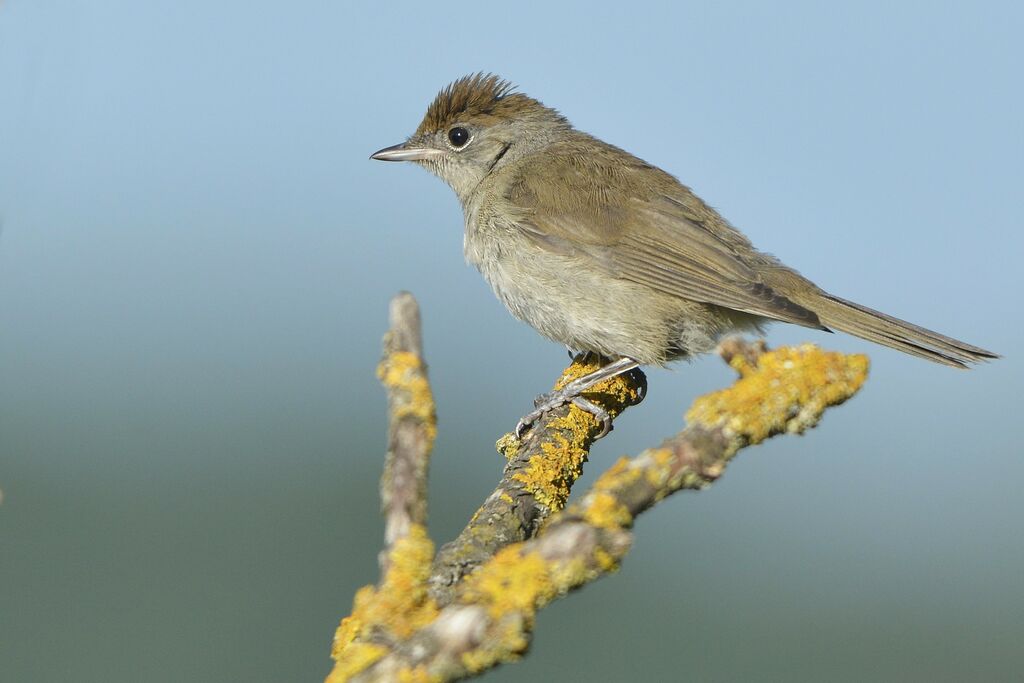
(195, 265)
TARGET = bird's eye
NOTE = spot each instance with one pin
(458, 136)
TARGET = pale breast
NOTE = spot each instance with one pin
(571, 301)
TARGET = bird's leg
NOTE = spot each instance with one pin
(570, 393)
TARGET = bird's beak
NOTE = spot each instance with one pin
(405, 152)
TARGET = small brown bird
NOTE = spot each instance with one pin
(608, 254)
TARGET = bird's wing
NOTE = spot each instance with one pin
(645, 228)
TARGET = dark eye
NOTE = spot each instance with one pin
(458, 136)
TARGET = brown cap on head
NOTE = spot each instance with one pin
(485, 99)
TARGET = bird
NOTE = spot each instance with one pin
(609, 255)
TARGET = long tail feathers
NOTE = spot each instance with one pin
(861, 321)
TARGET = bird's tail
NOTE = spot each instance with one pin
(861, 321)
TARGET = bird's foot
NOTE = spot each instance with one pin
(572, 393)
(545, 403)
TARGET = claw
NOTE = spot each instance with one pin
(541, 405)
(545, 403)
(597, 411)
(526, 420)
(570, 393)
(544, 399)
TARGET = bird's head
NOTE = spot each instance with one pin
(472, 127)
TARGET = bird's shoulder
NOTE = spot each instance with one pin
(588, 190)
(579, 186)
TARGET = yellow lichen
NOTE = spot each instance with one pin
(509, 643)
(616, 392)
(510, 582)
(403, 371)
(508, 445)
(618, 476)
(577, 424)
(402, 604)
(513, 585)
(741, 365)
(550, 474)
(657, 470)
(479, 659)
(576, 370)
(602, 509)
(571, 572)
(618, 388)
(350, 627)
(355, 658)
(787, 390)
(418, 674)
(605, 562)
(399, 605)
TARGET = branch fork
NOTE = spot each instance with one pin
(470, 606)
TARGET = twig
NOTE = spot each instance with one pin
(412, 424)
(737, 347)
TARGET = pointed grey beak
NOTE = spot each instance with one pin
(403, 152)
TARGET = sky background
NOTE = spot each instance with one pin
(195, 265)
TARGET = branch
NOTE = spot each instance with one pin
(412, 424)
(505, 566)
(541, 471)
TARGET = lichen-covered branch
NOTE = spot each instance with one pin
(540, 472)
(412, 424)
(507, 565)
(398, 606)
